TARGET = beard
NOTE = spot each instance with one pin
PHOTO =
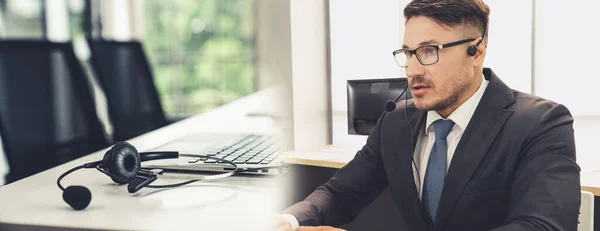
(448, 101)
(457, 89)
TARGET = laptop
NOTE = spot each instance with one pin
(256, 153)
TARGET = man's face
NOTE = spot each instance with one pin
(440, 86)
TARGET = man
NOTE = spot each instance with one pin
(482, 157)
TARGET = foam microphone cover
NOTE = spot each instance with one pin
(78, 197)
(390, 106)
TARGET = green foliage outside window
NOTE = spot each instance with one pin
(201, 52)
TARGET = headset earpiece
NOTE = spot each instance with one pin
(472, 50)
(122, 160)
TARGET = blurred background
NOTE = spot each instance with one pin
(195, 55)
(202, 53)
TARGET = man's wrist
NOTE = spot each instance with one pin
(294, 223)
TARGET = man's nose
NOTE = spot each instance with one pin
(414, 67)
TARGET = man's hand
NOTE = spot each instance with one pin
(281, 224)
(318, 228)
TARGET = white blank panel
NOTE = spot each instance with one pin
(308, 29)
(509, 50)
(566, 54)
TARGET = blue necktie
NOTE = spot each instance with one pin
(436, 168)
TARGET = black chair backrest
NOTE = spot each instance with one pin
(47, 112)
(124, 74)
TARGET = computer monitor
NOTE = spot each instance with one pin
(366, 100)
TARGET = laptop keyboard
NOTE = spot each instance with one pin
(250, 149)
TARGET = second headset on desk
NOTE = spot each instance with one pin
(122, 163)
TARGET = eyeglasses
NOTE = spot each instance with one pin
(427, 55)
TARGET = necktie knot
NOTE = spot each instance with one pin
(442, 128)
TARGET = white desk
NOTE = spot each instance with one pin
(236, 203)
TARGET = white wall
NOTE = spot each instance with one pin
(363, 35)
(567, 34)
(310, 67)
(509, 51)
(566, 54)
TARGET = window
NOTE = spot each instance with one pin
(202, 52)
(22, 18)
(76, 12)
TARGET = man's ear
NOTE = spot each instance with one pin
(479, 57)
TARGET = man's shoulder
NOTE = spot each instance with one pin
(533, 115)
(531, 106)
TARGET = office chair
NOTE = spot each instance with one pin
(47, 113)
(124, 74)
(586, 212)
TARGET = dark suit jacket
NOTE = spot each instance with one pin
(513, 169)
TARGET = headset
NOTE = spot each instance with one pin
(122, 163)
(472, 51)
(391, 106)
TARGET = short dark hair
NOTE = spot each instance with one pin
(451, 12)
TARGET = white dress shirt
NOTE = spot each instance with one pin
(461, 117)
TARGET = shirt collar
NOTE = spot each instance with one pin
(462, 115)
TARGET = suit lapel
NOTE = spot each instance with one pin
(488, 119)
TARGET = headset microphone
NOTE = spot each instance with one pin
(391, 105)
(77, 196)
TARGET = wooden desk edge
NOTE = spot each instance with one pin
(593, 190)
(316, 163)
